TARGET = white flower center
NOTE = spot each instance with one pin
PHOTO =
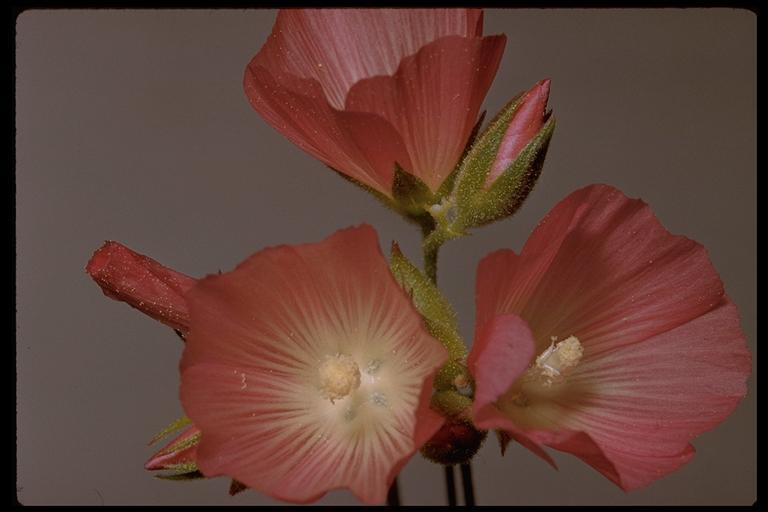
(339, 376)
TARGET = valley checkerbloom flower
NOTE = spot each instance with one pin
(307, 369)
(607, 337)
(363, 89)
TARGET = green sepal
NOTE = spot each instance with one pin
(173, 427)
(411, 194)
(191, 475)
(476, 165)
(403, 184)
(508, 192)
(446, 187)
(182, 467)
(477, 205)
(450, 403)
(183, 444)
(382, 198)
(437, 312)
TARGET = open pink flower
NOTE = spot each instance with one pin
(363, 89)
(307, 368)
(608, 338)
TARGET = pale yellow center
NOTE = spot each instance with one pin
(339, 376)
(555, 361)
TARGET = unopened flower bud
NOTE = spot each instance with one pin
(143, 283)
(526, 123)
(179, 454)
(504, 163)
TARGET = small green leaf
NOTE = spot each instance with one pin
(183, 444)
(192, 475)
(437, 312)
(413, 215)
(183, 467)
(386, 201)
(173, 427)
(446, 187)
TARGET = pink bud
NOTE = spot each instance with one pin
(182, 450)
(525, 124)
(143, 283)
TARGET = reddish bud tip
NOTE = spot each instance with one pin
(525, 124)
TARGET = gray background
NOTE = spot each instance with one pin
(133, 126)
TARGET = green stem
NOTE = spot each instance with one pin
(430, 259)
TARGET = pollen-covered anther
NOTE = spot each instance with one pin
(557, 359)
(339, 376)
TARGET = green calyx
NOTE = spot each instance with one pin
(173, 427)
(439, 316)
(478, 203)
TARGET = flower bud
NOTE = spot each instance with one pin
(503, 165)
(179, 455)
(525, 124)
(143, 283)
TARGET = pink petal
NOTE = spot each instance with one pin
(339, 47)
(641, 405)
(300, 82)
(649, 399)
(361, 145)
(601, 267)
(524, 126)
(249, 370)
(142, 283)
(664, 355)
(166, 457)
(433, 100)
(500, 353)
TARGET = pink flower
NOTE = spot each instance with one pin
(142, 283)
(608, 338)
(363, 89)
(307, 369)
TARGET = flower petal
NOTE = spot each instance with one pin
(601, 267)
(500, 354)
(338, 47)
(142, 283)
(250, 366)
(300, 80)
(433, 100)
(641, 405)
(361, 145)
